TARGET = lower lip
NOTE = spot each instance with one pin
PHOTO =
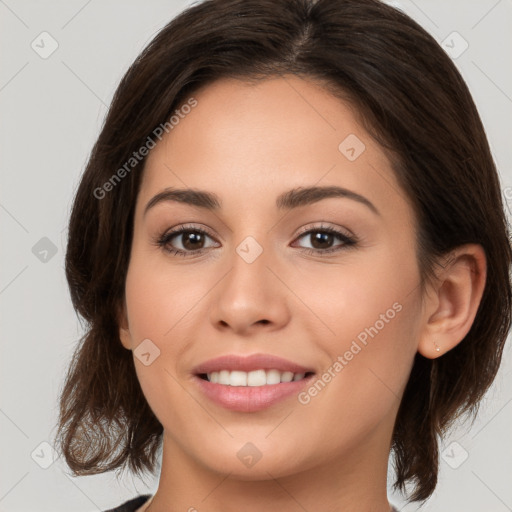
(250, 398)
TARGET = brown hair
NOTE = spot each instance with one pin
(410, 97)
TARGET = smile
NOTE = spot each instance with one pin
(250, 383)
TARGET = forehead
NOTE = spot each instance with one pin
(274, 114)
(265, 136)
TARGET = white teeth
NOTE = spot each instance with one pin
(253, 378)
(286, 376)
(273, 376)
(256, 378)
(237, 378)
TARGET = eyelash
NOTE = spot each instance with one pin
(348, 241)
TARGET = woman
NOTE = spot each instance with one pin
(290, 249)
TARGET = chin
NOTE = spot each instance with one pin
(251, 461)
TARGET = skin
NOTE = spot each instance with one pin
(249, 143)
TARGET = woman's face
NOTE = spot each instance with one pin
(326, 281)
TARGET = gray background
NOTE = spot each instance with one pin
(51, 112)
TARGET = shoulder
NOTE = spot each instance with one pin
(131, 505)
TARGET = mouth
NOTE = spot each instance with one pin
(251, 383)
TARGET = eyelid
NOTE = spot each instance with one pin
(190, 227)
(342, 230)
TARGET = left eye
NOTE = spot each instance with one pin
(322, 239)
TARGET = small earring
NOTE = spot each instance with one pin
(437, 347)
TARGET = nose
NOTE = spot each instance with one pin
(251, 296)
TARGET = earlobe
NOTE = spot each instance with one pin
(124, 331)
(126, 340)
(451, 306)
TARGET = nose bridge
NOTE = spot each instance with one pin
(252, 252)
(249, 276)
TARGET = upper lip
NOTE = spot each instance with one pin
(249, 363)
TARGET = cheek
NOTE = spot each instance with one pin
(159, 302)
(367, 292)
(363, 383)
(369, 311)
(157, 305)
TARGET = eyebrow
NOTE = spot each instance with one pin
(293, 198)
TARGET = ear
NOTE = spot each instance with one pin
(450, 305)
(124, 330)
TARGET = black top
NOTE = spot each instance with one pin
(133, 504)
